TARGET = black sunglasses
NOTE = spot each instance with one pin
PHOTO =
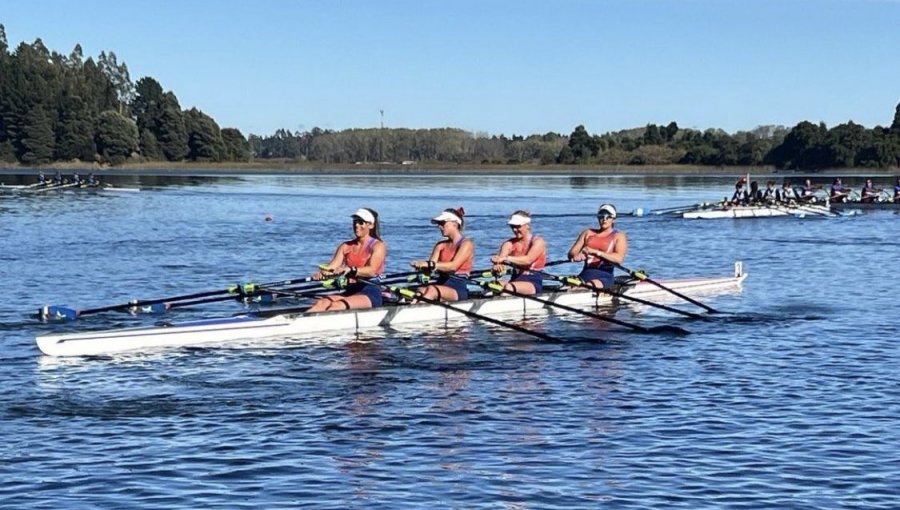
(603, 217)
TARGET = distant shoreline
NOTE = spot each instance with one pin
(306, 168)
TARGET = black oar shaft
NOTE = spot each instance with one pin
(467, 313)
(642, 276)
(149, 302)
(621, 295)
(547, 302)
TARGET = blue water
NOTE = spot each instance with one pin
(789, 401)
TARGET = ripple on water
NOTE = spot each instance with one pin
(788, 401)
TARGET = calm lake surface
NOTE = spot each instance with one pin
(789, 401)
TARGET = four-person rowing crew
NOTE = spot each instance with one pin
(772, 196)
(59, 180)
(362, 259)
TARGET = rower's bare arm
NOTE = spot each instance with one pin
(462, 254)
(337, 260)
(618, 254)
(500, 258)
(423, 264)
(575, 253)
(502, 253)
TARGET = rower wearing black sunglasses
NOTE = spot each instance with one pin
(361, 257)
(451, 258)
(600, 248)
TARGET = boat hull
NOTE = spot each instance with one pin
(252, 327)
(867, 206)
(66, 188)
(754, 211)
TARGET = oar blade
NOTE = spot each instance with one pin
(54, 312)
(156, 308)
(668, 329)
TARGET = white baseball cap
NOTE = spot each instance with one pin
(447, 216)
(365, 215)
(518, 219)
(607, 209)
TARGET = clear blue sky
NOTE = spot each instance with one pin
(495, 66)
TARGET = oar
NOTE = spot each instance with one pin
(496, 287)
(675, 210)
(577, 282)
(265, 295)
(403, 291)
(165, 307)
(48, 188)
(642, 276)
(232, 291)
(62, 312)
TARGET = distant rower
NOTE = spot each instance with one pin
(869, 193)
(740, 196)
(769, 195)
(838, 191)
(809, 191)
(786, 194)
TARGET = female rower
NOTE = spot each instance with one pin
(525, 252)
(755, 196)
(361, 257)
(740, 196)
(600, 248)
(786, 195)
(769, 196)
(897, 191)
(451, 258)
(869, 192)
(808, 194)
(838, 192)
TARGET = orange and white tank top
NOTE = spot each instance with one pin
(448, 251)
(601, 242)
(521, 248)
(357, 255)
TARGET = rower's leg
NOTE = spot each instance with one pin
(323, 304)
(597, 284)
(521, 287)
(438, 292)
(356, 302)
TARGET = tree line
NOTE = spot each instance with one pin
(56, 107)
(806, 146)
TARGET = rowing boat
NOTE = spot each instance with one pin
(757, 211)
(867, 206)
(251, 326)
(63, 188)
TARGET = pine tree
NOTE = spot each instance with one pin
(37, 138)
(116, 137)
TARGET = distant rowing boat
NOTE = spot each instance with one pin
(256, 326)
(757, 211)
(62, 188)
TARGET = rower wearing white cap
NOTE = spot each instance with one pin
(525, 252)
(361, 257)
(451, 258)
(600, 248)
